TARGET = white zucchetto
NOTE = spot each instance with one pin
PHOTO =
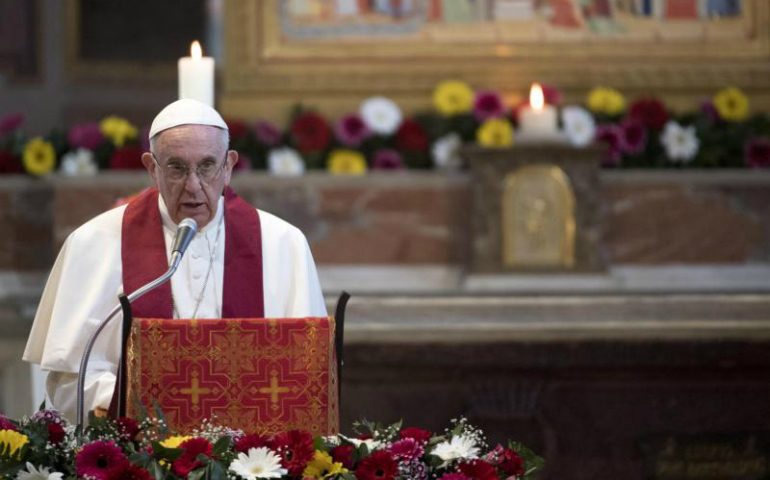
(186, 112)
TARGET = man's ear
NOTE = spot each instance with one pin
(232, 159)
(149, 164)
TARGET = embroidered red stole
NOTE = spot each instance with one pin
(143, 254)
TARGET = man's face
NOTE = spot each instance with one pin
(193, 147)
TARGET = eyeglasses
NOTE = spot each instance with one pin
(207, 171)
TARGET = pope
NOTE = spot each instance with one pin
(243, 262)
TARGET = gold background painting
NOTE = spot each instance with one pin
(283, 52)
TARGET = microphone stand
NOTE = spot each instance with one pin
(176, 257)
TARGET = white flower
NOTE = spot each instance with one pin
(446, 152)
(381, 115)
(79, 163)
(681, 143)
(259, 463)
(370, 443)
(458, 448)
(285, 162)
(579, 125)
(33, 473)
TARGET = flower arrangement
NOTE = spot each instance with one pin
(642, 133)
(46, 447)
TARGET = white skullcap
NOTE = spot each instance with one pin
(186, 112)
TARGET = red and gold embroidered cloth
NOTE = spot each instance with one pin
(259, 375)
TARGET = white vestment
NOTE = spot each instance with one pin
(88, 276)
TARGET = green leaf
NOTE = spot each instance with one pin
(215, 471)
(196, 474)
(161, 417)
(319, 443)
(221, 446)
(164, 453)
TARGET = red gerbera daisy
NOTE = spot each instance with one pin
(189, 459)
(296, 450)
(453, 476)
(55, 433)
(411, 136)
(253, 440)
(343, 454)
(127, 158)
(478, 470)
(378, 466)
(310, 132)
(100, 460)
(132, 472)
(417, 433)
(127, 427)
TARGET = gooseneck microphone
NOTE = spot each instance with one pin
(184, 235)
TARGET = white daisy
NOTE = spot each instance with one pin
(381, 115)
(458, 447)
(579, 125)
(33, 473)
(79, 163)
(446, 152)
(285, 162)
(259, 463)
(681, 143)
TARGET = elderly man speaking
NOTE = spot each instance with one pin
(243, 262)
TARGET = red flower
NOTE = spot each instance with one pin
(9, 163)
(478, 470)
(551, 95)
(407, 449)
(10, 122)
(612, 135)
(344, 455)
(652, 113)
(411, 136)
(132, 472)
(510, 462)
(6, 424)
(268, 133)
(100, 460)
(237, 128)
(127, 427)
(127, 158)
(295, 448)
(378, 466)
(55, 433)
(310, 132)
(634, 136)
(488, 105)
(417, 433)
(453, 476)
(756, 153)
(253, 440)
(189, 459)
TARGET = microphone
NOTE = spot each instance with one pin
(184, 235)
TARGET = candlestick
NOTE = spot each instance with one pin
(538, 120)
(196, 76)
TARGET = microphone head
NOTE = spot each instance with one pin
(188, 223)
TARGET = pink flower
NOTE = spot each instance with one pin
(11, 122)
(387, 159)
(407, 449)
(552, 95)
(6, 424)
(711, 112)
(244, 163)
(612, 135)
(351, 130)
(488, 105)
(267, 133)
(634, 137)
(756, 153)
(85, 135)
(100, 460)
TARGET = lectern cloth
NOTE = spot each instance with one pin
(87, 277)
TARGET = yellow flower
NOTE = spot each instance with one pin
(347, 162)
(118, 130)
(174, 442)
(732, 104)
(452, 97)
(11, 442)
(39, 156)
(322, 466)
(606, 100)
(495, 132)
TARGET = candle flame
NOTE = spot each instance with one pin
(195, 50)
(536, 97)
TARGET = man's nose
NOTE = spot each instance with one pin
(192, 182)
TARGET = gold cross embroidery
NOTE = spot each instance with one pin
(274, 389)
(195, 391)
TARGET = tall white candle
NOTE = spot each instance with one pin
(196, 76)
(538, 120)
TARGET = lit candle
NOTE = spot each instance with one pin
(196, 76)
(538, 120)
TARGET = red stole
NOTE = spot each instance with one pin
(143, 254)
